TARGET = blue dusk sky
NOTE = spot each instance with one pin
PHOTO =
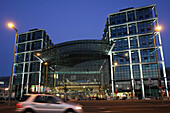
(66, 20)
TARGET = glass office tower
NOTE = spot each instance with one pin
(132, 31)
(27, 68)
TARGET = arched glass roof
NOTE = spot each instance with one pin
(73, 52)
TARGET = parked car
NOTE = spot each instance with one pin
(43, 103)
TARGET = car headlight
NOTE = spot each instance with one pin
(78, 107)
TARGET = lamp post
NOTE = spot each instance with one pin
(115, 64)
(158, 29)
(37, 55)
(11, 25)
(46, 64)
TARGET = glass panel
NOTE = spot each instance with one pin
(118, 19)
(144, 13)
(145, 27)
(133, 42)
(148, 55)
(121, 58)
(118, 31)
(22, 38)
(132, 29)
(28, 47)
(20, 58)
(136, 71)
(135, 56)
(146, 41)
(18, 68)
(33, 58)
(36, 35)
(17, 79)
(131, 16)
(34, 66)
(36, 45)
(27, 57)
(122, 72)
(34, 79)
(21, 48)
(150, 70)
(83, 72)
(120, 44)
(26, 67)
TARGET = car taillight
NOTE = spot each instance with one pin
(18, 105)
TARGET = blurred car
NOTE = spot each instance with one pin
(42, 103)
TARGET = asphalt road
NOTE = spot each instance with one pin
(114, 106)
(126, 107)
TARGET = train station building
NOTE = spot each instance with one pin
(126, 62)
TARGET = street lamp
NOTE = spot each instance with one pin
(126, 54)
(157, 29)
(38, 54)
(115, 64)
(11, 25)
(46, 64)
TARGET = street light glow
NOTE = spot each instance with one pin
(10, 25)
(45, 63)
(158, 28)
(38, 54)
(126, 54)
(115, 63)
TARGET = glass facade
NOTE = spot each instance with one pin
(27, 68)
(120, 44)
(118, 18)
(119, 31)
(132, 32)
(86, 68)
(77, 68)
(146, 41)
(144, 13)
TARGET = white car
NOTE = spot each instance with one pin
(42, 103)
